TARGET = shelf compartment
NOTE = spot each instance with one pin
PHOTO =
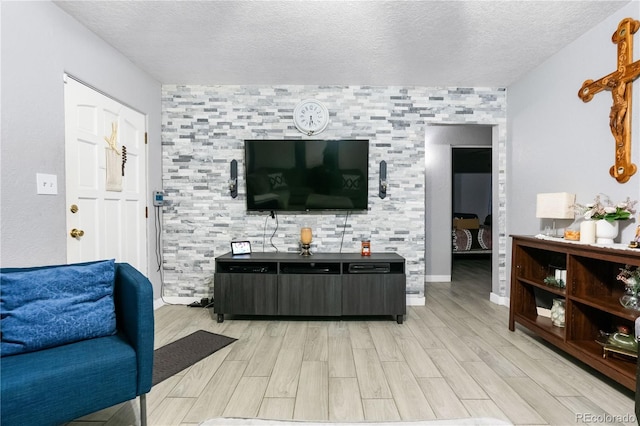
(610, 305)
(594, 277)
(525, 304)
(531, 296)
(623, 370)
(368, 267)
(542, 326)
(587, 321)
(559, 291)
(320, 268)
(241, 267)
(534, 264)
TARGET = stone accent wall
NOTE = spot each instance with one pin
(204, 128)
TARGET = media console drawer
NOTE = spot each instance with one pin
(324, 284)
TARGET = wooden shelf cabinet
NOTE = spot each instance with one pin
(324, 284)
(591, 298)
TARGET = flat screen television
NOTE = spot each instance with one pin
(306, 175)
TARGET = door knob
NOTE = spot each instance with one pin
(76, 233)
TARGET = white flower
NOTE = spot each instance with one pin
(588, 214)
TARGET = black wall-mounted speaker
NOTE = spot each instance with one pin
(383, 179)
(233, 181)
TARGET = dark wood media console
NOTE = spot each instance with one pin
(324, 284)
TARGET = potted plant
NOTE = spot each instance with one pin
(607, 214)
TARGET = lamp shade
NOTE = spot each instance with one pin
(555, 205)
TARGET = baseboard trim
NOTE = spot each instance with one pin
(415, 300)
(499, 300)
(437, 278)
(174, 300)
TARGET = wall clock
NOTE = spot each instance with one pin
(311, 117)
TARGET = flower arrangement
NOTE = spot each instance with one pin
(603, 208)
(630, 276)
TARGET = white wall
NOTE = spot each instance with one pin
(439, 186)
(40, 43)
(557, 143)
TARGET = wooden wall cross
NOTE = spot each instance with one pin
(619, 83)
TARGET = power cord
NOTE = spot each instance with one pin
(158, 226)
(344, 229)
(203, 303)
(274, 231)
(158, 229)
(273, 215)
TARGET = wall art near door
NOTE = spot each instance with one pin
(114, 164)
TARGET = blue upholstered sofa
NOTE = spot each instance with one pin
(57, 384)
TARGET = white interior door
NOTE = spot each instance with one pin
(110, 220)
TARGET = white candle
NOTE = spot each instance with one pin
(588, 232)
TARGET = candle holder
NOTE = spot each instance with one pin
(305, 249)
(306, 237)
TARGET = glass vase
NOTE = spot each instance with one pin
(557, 312)
(630, 299)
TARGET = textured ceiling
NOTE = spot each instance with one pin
(425, 43)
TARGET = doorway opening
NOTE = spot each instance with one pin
(472, 195)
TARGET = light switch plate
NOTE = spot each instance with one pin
(47, 184)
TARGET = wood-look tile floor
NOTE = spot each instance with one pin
(453, 358)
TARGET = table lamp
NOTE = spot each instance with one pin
(556, 205)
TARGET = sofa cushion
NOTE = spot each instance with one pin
(56, 385)
(53, 305)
